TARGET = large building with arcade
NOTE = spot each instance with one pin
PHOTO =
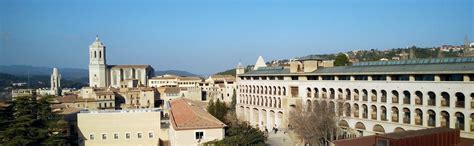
(370, 97)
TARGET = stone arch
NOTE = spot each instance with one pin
(339, 93)
(378, 128)
(406, 97)
(284, 91)
(316, 93)
(383, 113)
(431, 118)
(444, 119)
(373, 113)
(308, 105)
(431, 98)
(356, 94)
(365, 95)
(347, 108)
(332, 93)
(445, 99)
(340, 108)
(344, 124)
(399, 129)
(460, 121)
(356, 110)
(308, 92)
(360, 126)
(348, 94)
(365, 111)
(395, 114)
(406, 115)
(418, 117)
(373, 95)
(395, 96)
(332, 106)
(418, 98)
(460, 100)
(384, 96)
(324, 92)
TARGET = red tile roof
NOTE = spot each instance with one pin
(187, 114)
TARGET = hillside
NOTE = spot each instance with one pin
(175, 72)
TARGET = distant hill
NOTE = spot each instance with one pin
(24, 70)
(175, 72)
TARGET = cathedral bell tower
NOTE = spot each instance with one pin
(97, 64)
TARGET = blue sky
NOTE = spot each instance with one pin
(208, 36)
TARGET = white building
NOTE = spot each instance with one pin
(103, 75)
(371, 97)
(55, 82)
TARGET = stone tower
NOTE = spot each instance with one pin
(55, 82)
(240, 69)
(97, 64)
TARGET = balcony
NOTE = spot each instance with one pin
(384, 117)
(444, 103)
(418, 121)
(356, 97)
(406, 120)
(394, 99)
(364, 115)
(472, 104)
(374, 116)
(374, 98)
(356, 114)
(348, 97)
(444, 124)
(418, 101)
(384, 98)
(460, 104)
(324, 95)
(339, 96)
(364, 97)
(332, 96)
(459, 126)
(308, 95)
(431, 102)
(406, 101)
(394, 118)
(431, 123)
(316, 95)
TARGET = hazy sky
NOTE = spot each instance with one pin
(204, 36)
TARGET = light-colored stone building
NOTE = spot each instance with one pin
(370, 97)
(191, 125)
(131, 127)
(103, 75)
(55, 83)
(218, 87)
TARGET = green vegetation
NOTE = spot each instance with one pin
(37, 81)
(227, 72)
(31, 122)
(341, 60)
(237, 133)
(218, 109)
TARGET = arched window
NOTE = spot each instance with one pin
(460, 100)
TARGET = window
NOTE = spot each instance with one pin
(199, 135)
(91, 136)
(104, 136)
(294, 77)
(127, 135)
(151, 135)
(116, 136)
(139, 135)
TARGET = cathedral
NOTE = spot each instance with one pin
(117, 76)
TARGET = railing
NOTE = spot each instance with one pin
(356, 97)
(364, 115)
(431, 123)
(383, 117)
(472, 104)
(395, 118)
(356, 114)
(348, 97)
(332, 96)
(459, 126)
(444, 103)
(406, 101)
(418, 121)
(316, 95)
(384, 98)
(444, 124)
(374, 116)
(324, 95)
(431, 102)
(339, 96)
(374, 98)
(308, 95)
(364, 97)
(418, 101)
(460, 104)
(406, 120)
(394, 99)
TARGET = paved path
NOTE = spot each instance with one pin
(281, 139)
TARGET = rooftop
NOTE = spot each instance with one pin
(414, 66)
(187, 115)
(120, 111)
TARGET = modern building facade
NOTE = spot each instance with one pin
(371, 97)
(121, 127)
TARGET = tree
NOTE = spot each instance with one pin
(34, 123)
(341, 60)
(315, 127)
(240, 133)
(218, 109)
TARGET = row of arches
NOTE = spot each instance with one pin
(429, 98)
(274, 102)
(417, 116)
(261, 118)
(377, 128)
(268, 90)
